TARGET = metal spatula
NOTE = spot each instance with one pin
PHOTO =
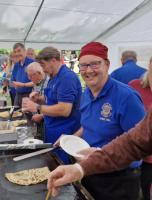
(29, 155)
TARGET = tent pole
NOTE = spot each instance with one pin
(37, 13)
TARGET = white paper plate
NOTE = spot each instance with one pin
(72, 144)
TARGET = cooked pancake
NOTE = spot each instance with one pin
(29, 177)
(5, 114)
(19, 122)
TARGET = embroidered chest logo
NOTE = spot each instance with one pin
(106, 111)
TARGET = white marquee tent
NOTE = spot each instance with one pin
(68, 24)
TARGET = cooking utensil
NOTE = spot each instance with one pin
(10, 116)
(11, 112)
(10, 190)
(48, 196)
(29, 155)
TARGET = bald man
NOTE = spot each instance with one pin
(129, 69)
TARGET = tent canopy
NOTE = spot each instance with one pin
(68, 24)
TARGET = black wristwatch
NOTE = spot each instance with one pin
(38, 109)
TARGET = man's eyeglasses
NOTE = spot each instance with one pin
(92, 65)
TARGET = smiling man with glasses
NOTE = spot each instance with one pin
(108, 109)
(93, 65)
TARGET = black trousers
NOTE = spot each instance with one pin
(146, 179)
(122, 185)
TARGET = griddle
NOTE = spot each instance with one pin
(7, 108)
(12, 137)
(13, 118)
(9, 191)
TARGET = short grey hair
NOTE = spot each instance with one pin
(34, 67)
(128, 55)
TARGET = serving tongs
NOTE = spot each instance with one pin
(10, 116)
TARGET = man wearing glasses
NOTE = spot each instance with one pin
(133, 145)
(108, 109)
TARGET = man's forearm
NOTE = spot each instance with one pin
(57, 110)
(79, 132)
(118, 154)
(29, 84)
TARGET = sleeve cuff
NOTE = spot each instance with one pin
(78, 166)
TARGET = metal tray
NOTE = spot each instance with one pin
(9, 191)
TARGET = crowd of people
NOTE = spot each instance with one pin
(102, 115)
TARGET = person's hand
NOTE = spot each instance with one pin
(37, 118)
(17, 84)
(28, 105)
(62, 175)
(34, 96)
(57, 143)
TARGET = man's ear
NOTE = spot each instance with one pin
(107, 62)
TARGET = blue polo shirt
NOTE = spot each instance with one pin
(114, 111)
(19, 74)
(128, 71)
(64, 87)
